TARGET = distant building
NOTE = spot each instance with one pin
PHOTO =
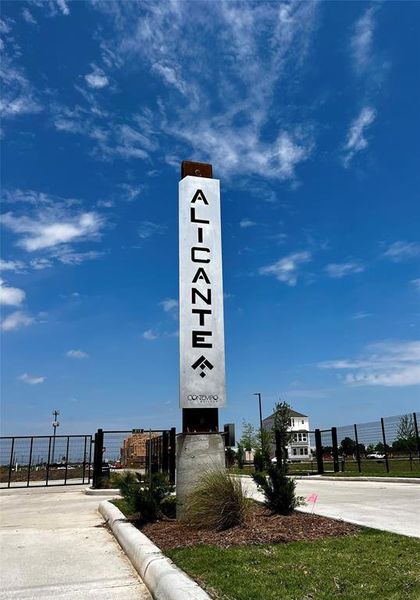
(133, 452)
(299, 448)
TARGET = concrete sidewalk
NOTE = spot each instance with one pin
(54, 545)
(393, 507)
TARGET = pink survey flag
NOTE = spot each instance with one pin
(312, 498)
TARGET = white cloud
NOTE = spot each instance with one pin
(31, 380)
(244, 223)
(11, 265)
(361, 40)
(146, 229)
(16, 320)
(247, 40)
(18, 95)
(361, 315)
(169, 304)
(287, 268)
(400, 251)
(97, 79)
(48, 228)
(389, 364)
(78, 354)
(40, 263)
(62, 5)
(356, 136)
(27, 15)
(11, 296)
(416, 284)
(149, 335)
(339, 270)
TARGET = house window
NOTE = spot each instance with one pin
(303, 422)
(306, 450)
(294, 451)
(304, 438)
(301, 451)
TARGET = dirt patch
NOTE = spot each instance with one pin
(262, 527)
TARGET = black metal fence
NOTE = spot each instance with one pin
(141, 450)
(45, 460)
(389, 445)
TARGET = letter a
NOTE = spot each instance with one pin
(201, 275)
(199, 195)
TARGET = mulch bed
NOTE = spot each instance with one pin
(262, 527)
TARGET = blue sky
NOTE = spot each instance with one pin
(308, 113)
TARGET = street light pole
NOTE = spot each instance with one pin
(55, 425)
(259, 402)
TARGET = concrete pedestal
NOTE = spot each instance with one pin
(195, 454)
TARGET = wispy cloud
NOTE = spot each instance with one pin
(339, 270)
(16, 320)
(31, 379)
(149, 335)
(245, 223)
(356, 136)
(28, 16)
(96, 79)
(401, 250)
(44, 223)
(287, 268)
(361, 315)
(246, 40)
(10, 296)
(147, 229)
(78, 354)
(389, 364)
(63, 6)
(362, 40)
(169, 304)
(11, 265)
(416, 284)
(46, 231)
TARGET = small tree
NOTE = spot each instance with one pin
(282, 432)
(240, 456)
(248, 438)
(279, 491)
(264, 438)
(347, 446)
(406, 435)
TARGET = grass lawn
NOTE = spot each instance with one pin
(370, 565)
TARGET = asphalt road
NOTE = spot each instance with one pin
(54, 545)
(389, 506)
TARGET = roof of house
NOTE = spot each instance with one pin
(293, 413)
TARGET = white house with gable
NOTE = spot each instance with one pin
(299, 448)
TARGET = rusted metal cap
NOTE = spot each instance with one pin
(196, 169)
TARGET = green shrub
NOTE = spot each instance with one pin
(240, 456)
(279, 491)
(217, 502)
(144, 499)
(168, 506)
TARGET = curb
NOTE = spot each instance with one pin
(162, 577)
(415, 480)
(115, 493)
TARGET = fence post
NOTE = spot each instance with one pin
(319, 459)
(357, 448)
(11, 462)
(385, 450)
(335, 449)
(165, 452)
(416, 429)
(97, 458)
(172, 454)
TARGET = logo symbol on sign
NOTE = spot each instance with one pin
(203, 363)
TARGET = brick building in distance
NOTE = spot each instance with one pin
(133, 451)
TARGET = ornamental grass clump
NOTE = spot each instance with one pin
(217, 502)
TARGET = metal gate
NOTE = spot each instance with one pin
(142, 450)
(45, 460)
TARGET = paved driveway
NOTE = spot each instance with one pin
(392, 507)
(54, 545)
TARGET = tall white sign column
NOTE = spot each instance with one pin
(201, 332)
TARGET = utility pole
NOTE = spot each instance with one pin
(55, 424)
(261, 421)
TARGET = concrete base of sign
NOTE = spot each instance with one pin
(195, 454)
